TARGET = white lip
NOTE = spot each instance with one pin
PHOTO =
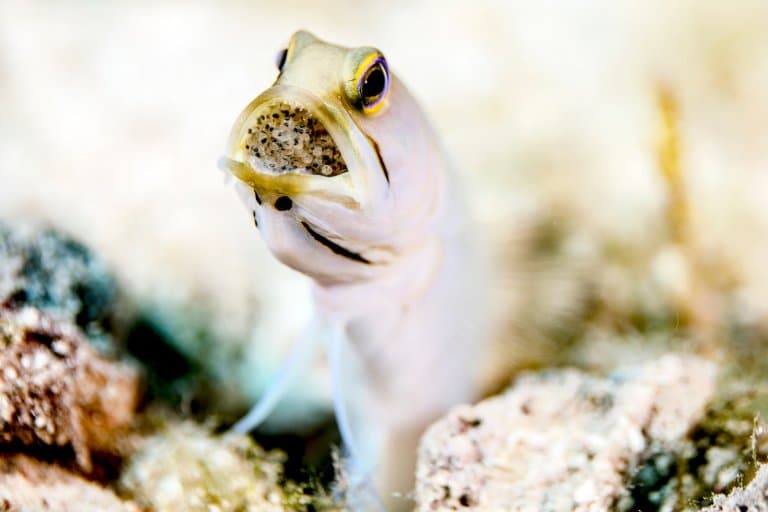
(337, 189)
(362, 185)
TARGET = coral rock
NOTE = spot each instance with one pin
(560, 439)
(752, 498)
(188, 469)
(56, 390)
(28, 485)
(52, 272)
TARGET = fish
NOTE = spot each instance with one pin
(349, 184)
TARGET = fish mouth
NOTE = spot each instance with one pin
(286, 137)
(288, 141)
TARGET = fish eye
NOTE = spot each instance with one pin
(366, 80)
(280, 59)
(373, 85)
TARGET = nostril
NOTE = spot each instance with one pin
(283, 203)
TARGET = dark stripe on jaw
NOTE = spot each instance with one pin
(378, 155)
(257, 197)
(336, 248)
(255, 221)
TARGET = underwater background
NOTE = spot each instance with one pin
(614, 155)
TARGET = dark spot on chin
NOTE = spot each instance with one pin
(284, 203)
(465, 500)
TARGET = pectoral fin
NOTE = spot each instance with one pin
(296, 363)
(359, 433)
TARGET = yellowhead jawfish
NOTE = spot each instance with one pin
(348, 184)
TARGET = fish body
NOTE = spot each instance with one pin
(349, 185)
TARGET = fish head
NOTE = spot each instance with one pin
(337, 162)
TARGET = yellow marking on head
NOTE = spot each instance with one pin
(359, 63)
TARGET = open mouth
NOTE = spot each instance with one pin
(287, 138)
(289, 142)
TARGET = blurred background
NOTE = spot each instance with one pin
(614, 154)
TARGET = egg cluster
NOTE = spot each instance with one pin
(285, 138)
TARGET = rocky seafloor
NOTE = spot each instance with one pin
(566, 440)
(613, 152)
(86, 424)
(90, 418)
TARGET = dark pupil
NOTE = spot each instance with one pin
(281, 59)
(374, 83)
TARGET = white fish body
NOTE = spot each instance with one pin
(374, 218)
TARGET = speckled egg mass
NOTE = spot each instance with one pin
(288, 138)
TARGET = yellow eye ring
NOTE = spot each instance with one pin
(373, 85)
(368, 87)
